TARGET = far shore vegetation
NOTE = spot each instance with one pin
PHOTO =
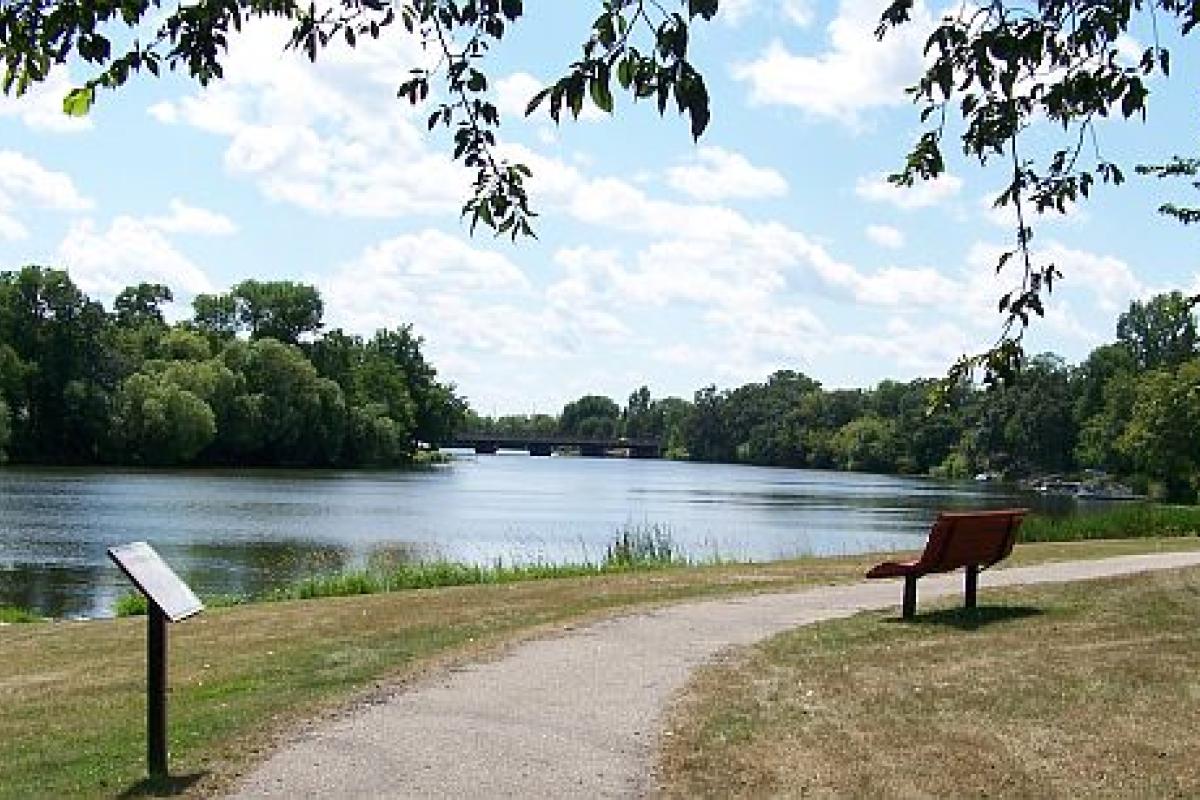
(72, 723)
(254, 378)
(1078, 690)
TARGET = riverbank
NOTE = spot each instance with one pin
(72, 723)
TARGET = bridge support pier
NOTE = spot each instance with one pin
(593, 450)
(486, 449)
(540, 449)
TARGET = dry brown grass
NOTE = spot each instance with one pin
(1087, 690)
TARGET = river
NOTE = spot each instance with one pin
(244, 532)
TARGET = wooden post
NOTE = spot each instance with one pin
(156, 692)
(972, 585)
(910, 596)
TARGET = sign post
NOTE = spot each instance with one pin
(168, 599)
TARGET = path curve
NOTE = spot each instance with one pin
(578, 715)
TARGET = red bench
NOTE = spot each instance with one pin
(975, 540)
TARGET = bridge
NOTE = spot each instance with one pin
(490, 443)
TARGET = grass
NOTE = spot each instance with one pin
(1123, 521)
(72, 716)
(1086, 690)
(13, 615)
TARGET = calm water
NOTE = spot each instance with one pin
(245, 532)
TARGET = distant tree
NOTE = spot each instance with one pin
(1101, 432)
(180, 344)
(1039, 426)
(438, 409)
(1089, 378)
(1160, 332)
(5, 431)
(157, 422)
(592, 416)
(281, 310)
(708, 434)
(288, 413)
(866, 444)
(215, 315)
(1163, 435)
(141, 305)
(637, 418)
(59, 334)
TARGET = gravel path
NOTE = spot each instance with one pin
(578, 715)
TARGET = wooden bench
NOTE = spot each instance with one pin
(975, 540)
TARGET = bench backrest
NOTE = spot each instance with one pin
(976, 538)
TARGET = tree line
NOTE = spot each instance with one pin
(1131, 408)
(251, 379)
(248, 380)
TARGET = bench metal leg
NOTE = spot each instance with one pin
(972, 585)
(910, 596)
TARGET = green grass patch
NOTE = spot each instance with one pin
(131, 604)
(1126, 520)
(14, 615)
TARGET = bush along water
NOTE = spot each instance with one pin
(10, 615)
(1123, 521)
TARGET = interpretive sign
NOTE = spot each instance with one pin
(168, 599)
(153, 578)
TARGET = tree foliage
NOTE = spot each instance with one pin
(80, 384)
(1000, 68)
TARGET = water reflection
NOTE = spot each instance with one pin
(246, 532)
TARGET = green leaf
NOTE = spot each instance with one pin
(536, 100)
(601, 94)
(78, 102)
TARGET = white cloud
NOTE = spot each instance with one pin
(799, 12)
(40, 108)
(924, 347)
(130, 251)
(886, 236)
(25, 181)
(734, 12)
(329, 137)
(717, 174)
(921, 194)
(1108, 283)
(857, 73)
(514, 92)
(186, 218)
(25, 184)
(12, 229)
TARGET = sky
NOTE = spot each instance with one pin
(772, 243)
